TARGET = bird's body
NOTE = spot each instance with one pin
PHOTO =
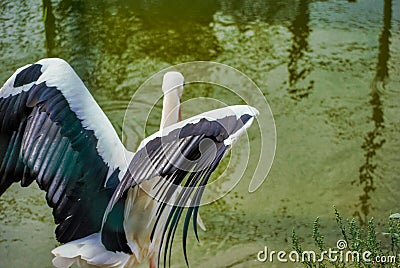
(113, 207)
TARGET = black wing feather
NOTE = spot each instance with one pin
(167, 156)
(42, 139)
(28, 75)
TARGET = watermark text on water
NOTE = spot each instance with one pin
(339, 254)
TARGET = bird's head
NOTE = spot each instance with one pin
(173, 83)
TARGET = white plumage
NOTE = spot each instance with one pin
(113, 208)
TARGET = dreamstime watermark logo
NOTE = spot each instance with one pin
(228, 86)
(339, 254)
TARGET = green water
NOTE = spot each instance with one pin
(330, 71)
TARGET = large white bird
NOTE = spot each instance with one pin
(112, 207)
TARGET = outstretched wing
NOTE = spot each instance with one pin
(183, 155)
(53, 131)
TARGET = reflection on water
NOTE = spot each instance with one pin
(320, 52)
(374, 139)
(382, 70)
(250, 11)
(299, 65)
(49, 29)
(181, 31)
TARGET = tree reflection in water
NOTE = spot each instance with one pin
(299, 65)
(374, 139)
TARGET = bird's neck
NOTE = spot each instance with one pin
(171, 109)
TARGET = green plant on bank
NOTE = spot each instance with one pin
(358, 239)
